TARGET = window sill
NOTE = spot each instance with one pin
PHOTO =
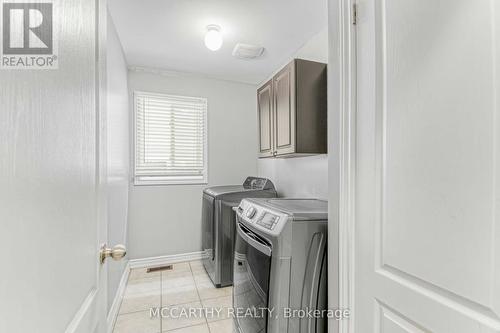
(138, 182)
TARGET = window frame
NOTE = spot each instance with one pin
(177, 180)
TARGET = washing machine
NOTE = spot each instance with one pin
(218, 221)
(280, 264)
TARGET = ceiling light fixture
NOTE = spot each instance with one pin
(213, 37)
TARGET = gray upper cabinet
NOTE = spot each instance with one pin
(294, 123)
(284, 106)
(265, 112)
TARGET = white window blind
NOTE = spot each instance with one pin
(170, 139)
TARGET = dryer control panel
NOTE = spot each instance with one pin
(256, 183)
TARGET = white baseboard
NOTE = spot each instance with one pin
(115, 307)
(165, 260)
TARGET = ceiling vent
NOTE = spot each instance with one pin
(247, 51)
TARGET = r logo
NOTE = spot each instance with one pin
(27, 28)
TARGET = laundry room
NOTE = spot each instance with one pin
(226, 102)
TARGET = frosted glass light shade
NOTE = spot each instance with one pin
(213, 38)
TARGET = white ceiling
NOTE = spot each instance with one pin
(168, 34)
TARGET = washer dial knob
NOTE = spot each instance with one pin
(251, 212)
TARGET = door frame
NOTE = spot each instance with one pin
(342, 159)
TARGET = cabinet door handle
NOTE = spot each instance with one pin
(275, 153)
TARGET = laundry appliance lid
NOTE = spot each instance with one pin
(225, 189)
(303, 209)
(250, 184)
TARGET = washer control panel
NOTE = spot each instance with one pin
(268, 220)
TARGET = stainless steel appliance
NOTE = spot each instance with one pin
(218, 220)
(280, 264)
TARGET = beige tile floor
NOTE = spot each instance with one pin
(185, 287)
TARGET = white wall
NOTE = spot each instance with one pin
(118, 154)
(316, 48)
(166, 220)
(304, 177)
(301, 176)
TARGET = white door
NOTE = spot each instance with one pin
(52, 211)
(427, 229)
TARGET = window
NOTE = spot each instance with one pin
(170, 139)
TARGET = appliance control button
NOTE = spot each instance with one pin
(251, 212)
(268, 221)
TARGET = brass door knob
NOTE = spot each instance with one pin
(117, 252)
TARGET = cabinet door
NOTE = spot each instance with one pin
(284, 106)
(265, 112)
